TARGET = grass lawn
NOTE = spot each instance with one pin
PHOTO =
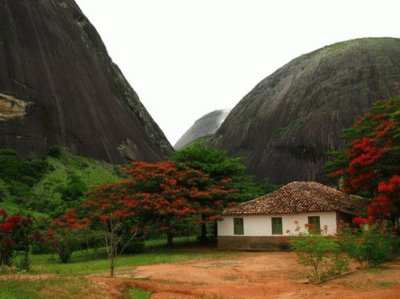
(139, 293)
(60, 287)
(83, 262)
(70, 281)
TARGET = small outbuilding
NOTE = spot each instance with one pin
(261, 224)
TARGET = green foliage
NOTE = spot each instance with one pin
(66, 242)
(55, 151)
(137, 293)
(19, 175)
(22, 263)
(369, 245)
(320, 252)
(74, 190)
(214, 162)
(219, 165)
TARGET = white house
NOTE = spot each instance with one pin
(261, 223)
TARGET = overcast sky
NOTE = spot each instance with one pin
(186, 58)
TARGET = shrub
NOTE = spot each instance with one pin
(370, 245)
(55, 151)
(320, 252)
(65, 243)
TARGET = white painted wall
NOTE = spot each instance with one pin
(261, 225)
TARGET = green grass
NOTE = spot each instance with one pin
(177, 241)
(80, 265)
(69, 280)
(13, 208)
(137, 293)
(60, 287)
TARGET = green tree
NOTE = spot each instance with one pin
(220, 166)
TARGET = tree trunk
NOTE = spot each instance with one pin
(215, 229)
(203, 229)
(170, 239)
(112, 266)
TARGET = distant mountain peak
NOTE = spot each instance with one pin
(204, 126)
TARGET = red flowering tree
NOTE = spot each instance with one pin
(16, 233)
(370, 166)
(173, 192)
(158, 192)
(110, 210)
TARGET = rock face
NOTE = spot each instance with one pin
(59, 86)
(288, 123)
(203, 127)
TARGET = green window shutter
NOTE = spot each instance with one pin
(316, 224)
(238, 228)
(276, 226)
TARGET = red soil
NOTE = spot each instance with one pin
(257, 275)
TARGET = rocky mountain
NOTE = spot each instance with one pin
(203, 127)
(287, 124)
(59, 86)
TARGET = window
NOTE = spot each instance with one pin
(238, 226)
(316, 226)
(277, 226)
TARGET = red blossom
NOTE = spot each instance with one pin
(3, 212)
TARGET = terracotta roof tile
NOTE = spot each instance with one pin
(297, 197)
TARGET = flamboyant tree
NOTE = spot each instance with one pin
(111, 210)
(158, 192)
(370, 166)
(175, 192)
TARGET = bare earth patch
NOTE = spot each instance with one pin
(243, 275)
(254, 275)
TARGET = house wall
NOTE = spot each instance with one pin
(258, 230)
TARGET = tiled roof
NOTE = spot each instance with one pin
(297, 197)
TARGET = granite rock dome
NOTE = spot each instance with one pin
(285, 127)
(59, 86)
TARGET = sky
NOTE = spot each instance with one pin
(186, 58)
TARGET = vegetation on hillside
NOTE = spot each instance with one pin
(52, 184)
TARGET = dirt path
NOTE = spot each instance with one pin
(255, 275)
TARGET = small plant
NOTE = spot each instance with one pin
(320, 252)
(23, 264)
(139, 293)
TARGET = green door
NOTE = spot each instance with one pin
(276, 226)
(316, 225)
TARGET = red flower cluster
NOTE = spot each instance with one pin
(370, 164)
(12, 229)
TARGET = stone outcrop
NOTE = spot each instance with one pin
(203, 127)
(59, 86)
(285, 127)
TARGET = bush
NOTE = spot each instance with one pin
(65, 243)
(370, 245)
(20, 174)
(55, 151)
(320, 252)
